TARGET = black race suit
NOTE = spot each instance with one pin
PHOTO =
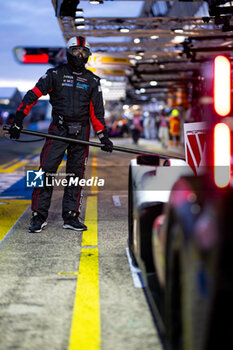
(75, 97)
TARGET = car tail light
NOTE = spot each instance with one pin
(38, 58)
(222, 85)
(222, 155)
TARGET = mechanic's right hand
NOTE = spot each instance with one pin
(104, 139)
(15, 130)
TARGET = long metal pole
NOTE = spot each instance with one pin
(91, 143)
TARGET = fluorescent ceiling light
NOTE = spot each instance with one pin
(124, 30)
(79, 19)
(80, 26)
(96, 2)
(79, 12)
(178, 30)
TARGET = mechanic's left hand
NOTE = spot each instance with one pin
(15, 130)
(107, 143)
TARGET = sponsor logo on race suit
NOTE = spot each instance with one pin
(82, 86)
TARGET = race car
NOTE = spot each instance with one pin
(180, 229)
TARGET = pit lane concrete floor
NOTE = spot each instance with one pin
(61, 289)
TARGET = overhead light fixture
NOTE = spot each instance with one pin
(124, 30)
(96, 2)
(142, 90)
(79, 19)
(80, 26)
(154, 37)
(153, 83)
(178, 30)
(79, 12)
(138, 57)
(136, 41)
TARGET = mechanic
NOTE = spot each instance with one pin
(76, 99)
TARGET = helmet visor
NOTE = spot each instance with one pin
(79, 51)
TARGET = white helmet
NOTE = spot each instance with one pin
(78, 41)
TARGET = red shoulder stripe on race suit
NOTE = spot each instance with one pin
(27, 108)
(37, 92)
(97, 125)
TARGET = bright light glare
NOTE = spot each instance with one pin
(178, 39)
(222, 85)
(222, 155)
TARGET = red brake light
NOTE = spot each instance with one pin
(222, 85)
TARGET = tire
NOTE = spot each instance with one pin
(173, 312)
(186, 308)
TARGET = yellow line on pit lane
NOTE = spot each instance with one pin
(85, 329)
(90, 237)
(15, 163)
(5, 165)
(14, 167)
(10, 211)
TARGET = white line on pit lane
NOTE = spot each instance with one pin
(116, 200)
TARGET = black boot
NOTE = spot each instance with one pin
(37, 223)
(72, 222)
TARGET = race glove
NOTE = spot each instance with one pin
(17, 125)
(107, 144)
